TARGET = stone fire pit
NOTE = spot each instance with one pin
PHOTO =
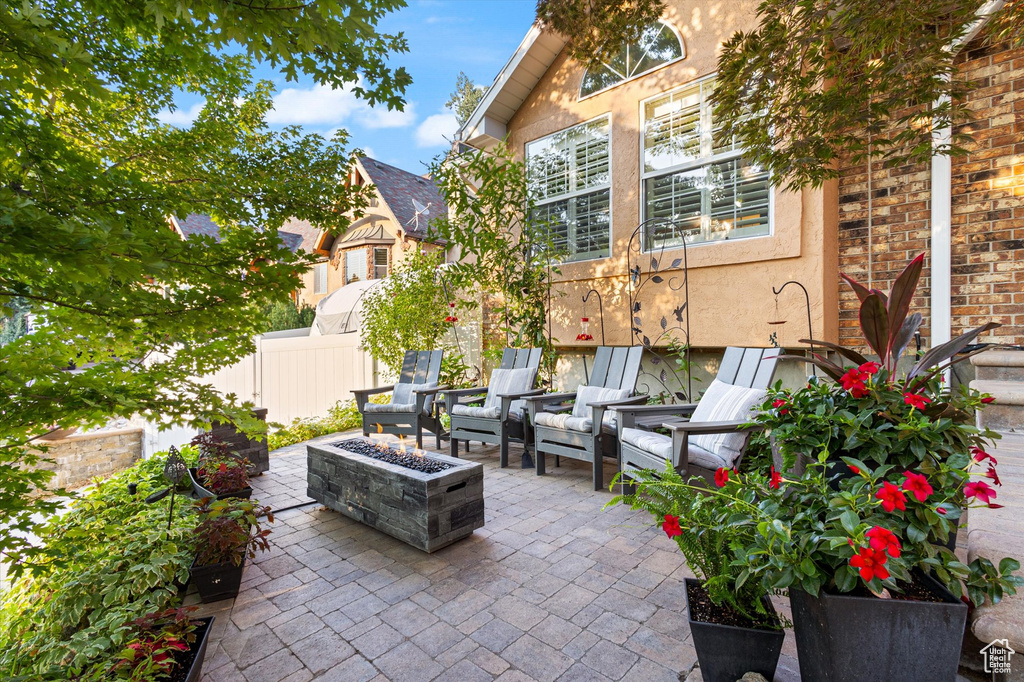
(426, 510)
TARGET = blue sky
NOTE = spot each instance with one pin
(445, 37)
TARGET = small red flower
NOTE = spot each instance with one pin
(853, 381)
(981, 491)
(941, 510)
(721, 477)
(869, 367)
(891, 497)
(855, 470)
(671, 526)
(979, 456)
(915, 400)
(993, 475)
(885, 540)
(776, 479)
(988, 400)
(918, 485)
(780, 403)
(871, 563)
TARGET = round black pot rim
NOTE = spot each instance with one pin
(768, 604)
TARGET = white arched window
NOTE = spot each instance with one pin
(658, 45)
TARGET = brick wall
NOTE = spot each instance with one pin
(988, 211)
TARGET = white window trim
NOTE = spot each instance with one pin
(706, 142)
(682, 49)
(578, 193)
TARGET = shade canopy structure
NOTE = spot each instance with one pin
(340, 311)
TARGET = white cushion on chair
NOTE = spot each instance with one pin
(564, 421)
(506, 382)
(656, 444)
(724, 402)
(403, 399)
(389, 408)
(472, 411)
(585, 395)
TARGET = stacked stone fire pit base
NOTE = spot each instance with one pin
(426, 510)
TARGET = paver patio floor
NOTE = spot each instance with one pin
(552, 588)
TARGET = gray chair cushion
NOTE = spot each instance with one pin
(388, 408)
(564, 421)
(482, 412)
(508, 381)
(403, 399)
(724, 402)
(585, 395)
(660, 446)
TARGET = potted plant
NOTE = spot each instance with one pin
(734, 625)
(228, 531)
(861, 536)
(220, 474)
(167, 644)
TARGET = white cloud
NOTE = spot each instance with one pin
(381, 117)
(367, 151)
(180, 117)
(436, 130)
(318, 105)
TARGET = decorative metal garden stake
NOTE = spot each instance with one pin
(174, 471)
(600, 312)
(807, 300)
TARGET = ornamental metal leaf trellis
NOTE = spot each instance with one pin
(645, 269)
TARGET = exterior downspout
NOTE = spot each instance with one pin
(942, 204)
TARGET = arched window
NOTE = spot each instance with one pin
(658, 45)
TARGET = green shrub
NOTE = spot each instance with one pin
(283, 315)
(342, 417)
(113, 561)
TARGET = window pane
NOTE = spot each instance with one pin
(355, 265)
(556, 217)
(593, 223)
(672, 130)
(657, 45)
(380, 263)
(320, 278)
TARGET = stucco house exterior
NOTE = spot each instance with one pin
(629, 141)
(400, 207)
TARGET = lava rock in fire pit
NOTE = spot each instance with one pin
(408, 460)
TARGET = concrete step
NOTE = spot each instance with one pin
(999, 365)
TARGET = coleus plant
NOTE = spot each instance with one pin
(877, 467)
(229, 530)
(158, 642)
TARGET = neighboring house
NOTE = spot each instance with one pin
(401, 205)
(628, 141)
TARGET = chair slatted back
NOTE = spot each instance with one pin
(616, 367)
(748, 367)
(420, 367)
(517, 358)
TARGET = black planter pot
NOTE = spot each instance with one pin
(201, 492)
(217, 581)
(727, 652)
(843, 638)
(198, 651)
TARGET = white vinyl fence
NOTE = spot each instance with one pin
(295, 375)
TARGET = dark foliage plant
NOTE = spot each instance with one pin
(891, 461)
(229, 530)
(161, 637)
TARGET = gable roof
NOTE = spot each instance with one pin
(487, 125)
(299, 235)
(399, 189)
(196, 223)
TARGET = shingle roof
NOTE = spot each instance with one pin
(398, 188)
(299, 235)
(198, 223)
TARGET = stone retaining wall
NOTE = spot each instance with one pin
(80, 457)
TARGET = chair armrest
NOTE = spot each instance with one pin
(516, 396)
(430, 391)
(635, 400)
(712, 427)
(460, 392)
(371, 391)
(549, 398)
(681, 409)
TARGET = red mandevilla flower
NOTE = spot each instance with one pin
(915, 400)
(775, 480)
(941, 510)
(979, 456)
(871, 563)
(671, 526)
(981, 491)
(855, 470)
(891, 497)
(918, 485)
(853, 381)
(993, 475)
(870, 368)
(885, 540)
(721, 477)
(779, 402)
(988, 400)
